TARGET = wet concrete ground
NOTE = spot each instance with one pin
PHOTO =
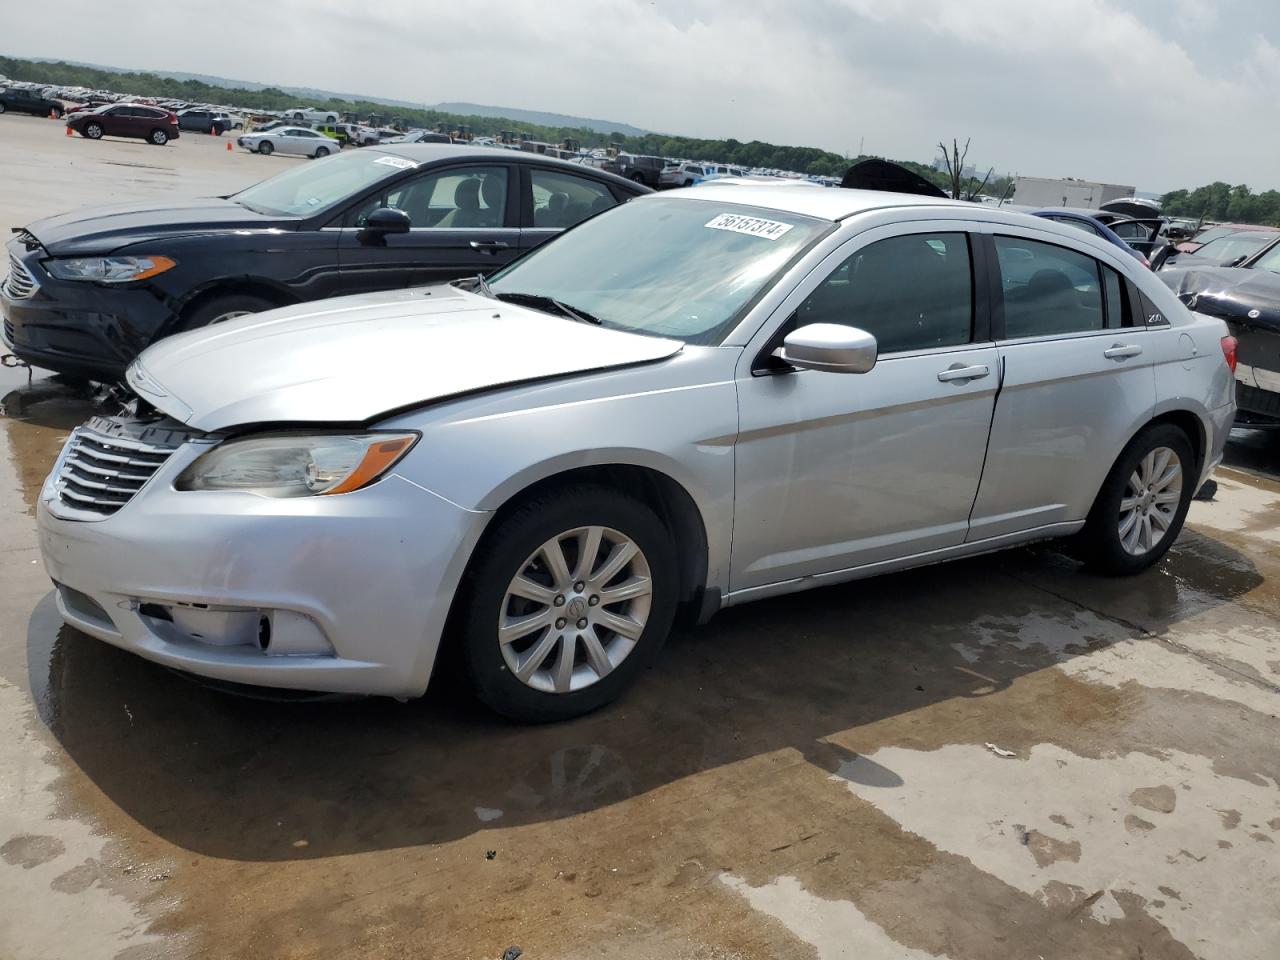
(1001, 757)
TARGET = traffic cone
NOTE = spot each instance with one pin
(228, 146)
(53, 114)
(68, 131)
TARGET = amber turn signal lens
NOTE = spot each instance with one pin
(379, 458)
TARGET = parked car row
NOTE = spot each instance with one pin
(536, 471)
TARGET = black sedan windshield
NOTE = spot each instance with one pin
(315, 187)
(666, 267)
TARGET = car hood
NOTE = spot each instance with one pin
(1229, 293)
(353, 359)
(101, 230)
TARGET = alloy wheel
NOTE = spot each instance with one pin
(1150, 501)
(575, 609)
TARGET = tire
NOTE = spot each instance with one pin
(321, 152)
(1101, 543)
(158, 137)
(637, 178)
(93, 131)
(298, 117)
(514, 548)
(221, 309)
(265, 148)
(2, 108)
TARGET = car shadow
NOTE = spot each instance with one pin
(239, 778)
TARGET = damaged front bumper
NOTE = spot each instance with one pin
(344, 594)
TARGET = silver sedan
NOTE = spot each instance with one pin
(688, 402)
(298, 141)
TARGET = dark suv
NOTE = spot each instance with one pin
(28, 101)
(641, 169)
(204, 121)
(152, 124)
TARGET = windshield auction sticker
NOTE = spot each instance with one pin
(398, 162)
(751, 226)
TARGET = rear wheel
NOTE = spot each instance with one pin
(158, 137)
(222, 309)
(265, 148)
(567, 600)
(1, 106)
(93, 131)
(1142, 504)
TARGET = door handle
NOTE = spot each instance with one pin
(975, 372)
(489, 246)
(1119, 351)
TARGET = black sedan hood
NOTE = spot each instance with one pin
(102, 230)
(1251, 297)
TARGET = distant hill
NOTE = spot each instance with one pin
(310, 93)
(540, 117)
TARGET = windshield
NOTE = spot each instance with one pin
(314, 187)
(672, 268)
(1229, 249)
(1213, 233)
(1270, 260)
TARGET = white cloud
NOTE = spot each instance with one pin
(1121, 90)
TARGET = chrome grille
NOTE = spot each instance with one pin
(101, 474)
(20, 283)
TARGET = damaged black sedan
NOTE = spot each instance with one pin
(87, 291)
(1247, 297)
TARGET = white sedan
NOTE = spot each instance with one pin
(293, 140)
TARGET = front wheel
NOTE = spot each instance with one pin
(93, 131)
(265, 148)
(1142, 504)
(158, 137)
(222, 309)
(321, 152)
(568, 599)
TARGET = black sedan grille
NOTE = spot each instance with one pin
(101, 474)
(20, 283)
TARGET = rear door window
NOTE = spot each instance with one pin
(561, 200)
(1048, 289)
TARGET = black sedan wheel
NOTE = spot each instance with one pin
(93, 131)
(1, 108)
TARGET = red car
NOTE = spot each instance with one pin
(153, 124)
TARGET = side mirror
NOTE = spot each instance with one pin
(384, 221)
(1236, 262)
(832, 347)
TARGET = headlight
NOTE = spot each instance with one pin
(297, 466)
(109, 269)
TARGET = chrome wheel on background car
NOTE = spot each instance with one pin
(93, 131)
(1151, 501)
(575, 610)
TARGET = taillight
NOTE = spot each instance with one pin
(1229, 351)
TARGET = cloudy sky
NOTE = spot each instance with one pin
(1156, 93)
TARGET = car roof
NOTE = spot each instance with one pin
(432, 152)
(812, 200)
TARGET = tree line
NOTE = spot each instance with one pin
(1223, 202)
(754, 153)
